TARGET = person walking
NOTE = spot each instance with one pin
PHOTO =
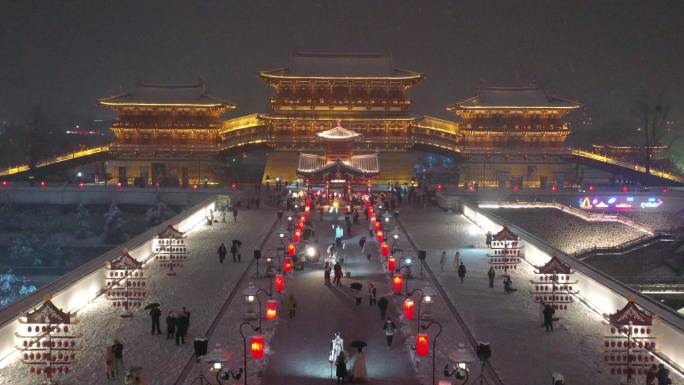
(341, 367)
(362, 244)
(181, 325)
(338, 274)
(358, 297)
(663, 375)
(222, 251)
(170, 324)
(235, 213)
(548, 317)
(109, 362)
(291, 306)
(186, 315)
(457, 260)
(372, 295)
(326, 273)
(390, 328)
(234, 251)
(461, 272)
(117, 350)
(382, 304)
(491, 274)
(359, 373)
(155, 315)
(442, 261)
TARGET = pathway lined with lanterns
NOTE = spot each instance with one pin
(300, 347)
(201, 285)
(512, 323)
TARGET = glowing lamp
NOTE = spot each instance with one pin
(300, 226)
(81, 185)
(257, 345)
(422, 344)
(392, 264)
(409, 307)
(307, 210)
(42, 183)
(516, 188)
(195, 186)
(233, 186)
(291, 249)
(554, 188)
(397, 282)
(271, 309)
(379, 235)
(119, 184)
(5, 183)
(440, 187)
(591, 188)
(378, 226)
(665, 189)
(384, 248)
(287, 265)
(308, 202)
(297, 235)
(279, 283)
(373, 219)
(625, 189)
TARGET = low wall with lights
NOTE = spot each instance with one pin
(598, 291)
(74, 290)
(587, 216)
(98, 195)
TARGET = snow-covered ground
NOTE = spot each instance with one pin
(202, 285)
(523, 352)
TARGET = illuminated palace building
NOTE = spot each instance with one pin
(356, 103)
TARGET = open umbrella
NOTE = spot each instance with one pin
(151, 305)
(356, 286)
(358, 344)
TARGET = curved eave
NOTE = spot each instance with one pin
(334, 118)
(280, 75)
(458, 107)
(174, 105)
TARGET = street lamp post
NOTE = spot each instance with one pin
(434, 346)
(409, 295)
(244, 345)
(251, 294)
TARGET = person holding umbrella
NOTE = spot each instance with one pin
(170, 324)
(341, 367)
(155, 315)
(461, 272)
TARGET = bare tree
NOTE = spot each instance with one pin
(653, 113)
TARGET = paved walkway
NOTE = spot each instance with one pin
(300, 347)
(511, 323)
(202, 285)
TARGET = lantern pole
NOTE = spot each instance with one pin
(398, 271)
(256, 295)
(409, 295)
(434, 346)
(244, 345)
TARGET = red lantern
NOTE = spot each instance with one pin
(307, 210)
(516, 188)
(408, 308)
(271, 309)
(422, 344)
(554, 188)
(287, 265)
(373, 219)
(195, 186)
(42, 183)
(440, 187)
(233, 186)
(291, 249)
(379, 235)
(591, 188)
(391, 264)
(625, 189)
(384, 248)
(378, 226)
(257, 344)
(297, 235)
(397, 282)
(279, 283)
(5, 183)
(665, 189)
(81, 185)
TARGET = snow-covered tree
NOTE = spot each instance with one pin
(13, 287)
(83, 228)
(158, 213)
(23, 250)
(114, 231)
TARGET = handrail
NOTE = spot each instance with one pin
(57, 159)
(632, 166)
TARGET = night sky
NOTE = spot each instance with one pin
(64, 55)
